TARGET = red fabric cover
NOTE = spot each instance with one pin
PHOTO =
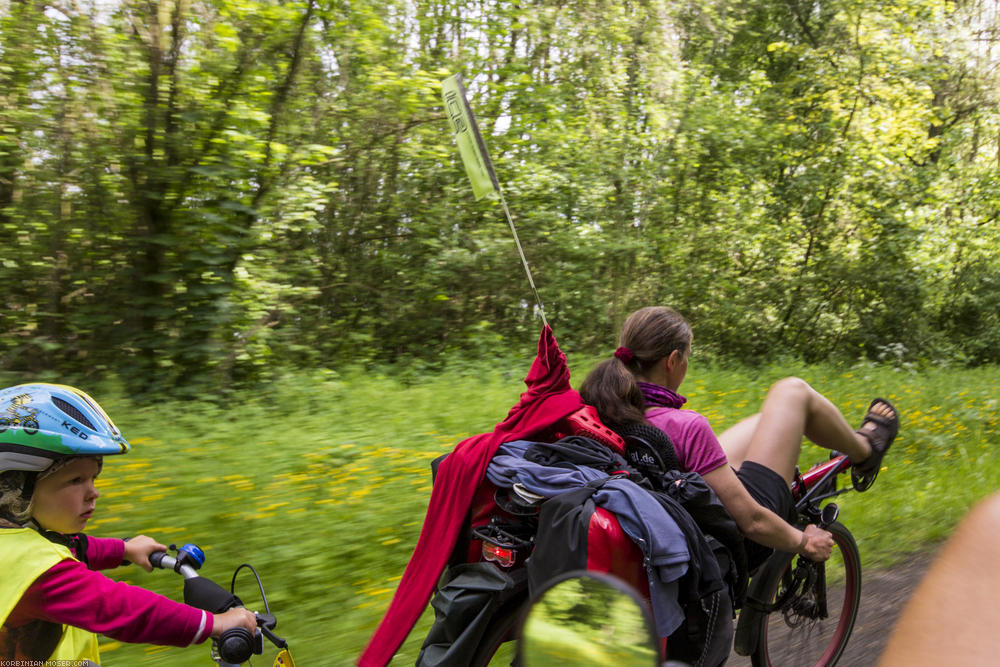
(548, 399)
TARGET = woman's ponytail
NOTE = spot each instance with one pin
(612, 389)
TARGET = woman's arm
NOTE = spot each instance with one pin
(761, 524)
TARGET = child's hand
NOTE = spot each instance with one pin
(237, 617)
(138, 548)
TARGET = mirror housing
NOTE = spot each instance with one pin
(829, 514)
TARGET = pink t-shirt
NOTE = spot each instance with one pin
(697, 448)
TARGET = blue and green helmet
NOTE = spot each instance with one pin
(42, 423)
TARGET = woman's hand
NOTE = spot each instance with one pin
(817, 544)
(237, 617)
(138, 549)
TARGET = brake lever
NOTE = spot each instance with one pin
(273, 638)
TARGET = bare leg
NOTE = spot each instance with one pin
(735, 440)
(792, 409)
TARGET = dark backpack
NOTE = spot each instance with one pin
(649, 450)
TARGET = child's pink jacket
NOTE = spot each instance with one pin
(70, 593)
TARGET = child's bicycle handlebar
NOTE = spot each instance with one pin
(235, 645)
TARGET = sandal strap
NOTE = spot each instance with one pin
(881, 420)
(879, 438)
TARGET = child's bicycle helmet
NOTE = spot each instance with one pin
(42, 423)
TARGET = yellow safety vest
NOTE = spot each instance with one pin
(24, 556)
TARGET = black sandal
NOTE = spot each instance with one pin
(880, 438)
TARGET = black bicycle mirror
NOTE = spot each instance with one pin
(588, 618)
(829, 514)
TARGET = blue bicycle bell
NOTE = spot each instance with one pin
(191, 554)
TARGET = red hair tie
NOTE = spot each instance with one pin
(624, 355)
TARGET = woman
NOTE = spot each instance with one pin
(750, 466)
(52, 601)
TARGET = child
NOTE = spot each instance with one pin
(52, 601)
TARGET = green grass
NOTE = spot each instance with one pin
(322, 481)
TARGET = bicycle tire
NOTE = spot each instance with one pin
(793, 637)
(502, 628)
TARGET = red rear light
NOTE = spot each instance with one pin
(504, 544)
(503, 556)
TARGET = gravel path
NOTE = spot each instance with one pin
(883, 594)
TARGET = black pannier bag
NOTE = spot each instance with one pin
(463, 609)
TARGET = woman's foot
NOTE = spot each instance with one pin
(879, 429)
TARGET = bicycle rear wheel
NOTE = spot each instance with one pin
(815, 615)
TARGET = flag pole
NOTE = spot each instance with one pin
(524, 260)
(477, 162)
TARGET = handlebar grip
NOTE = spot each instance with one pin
(156, 559)
(237, 645)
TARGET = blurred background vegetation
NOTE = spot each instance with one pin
(244, 227)
(196, 194)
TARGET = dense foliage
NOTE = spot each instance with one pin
(204, 191)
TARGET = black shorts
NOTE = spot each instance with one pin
(770, 490)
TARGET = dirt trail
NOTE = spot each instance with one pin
(884, 592)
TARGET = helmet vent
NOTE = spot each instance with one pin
(73, 412)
